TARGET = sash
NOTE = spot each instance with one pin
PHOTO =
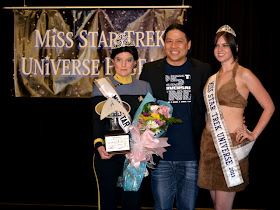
(221, 136)
(107, 88)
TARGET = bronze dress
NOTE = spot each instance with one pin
(210, 175)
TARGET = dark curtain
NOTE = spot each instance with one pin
(254, 23)
(51, 161)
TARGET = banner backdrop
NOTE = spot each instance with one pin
(59, 53)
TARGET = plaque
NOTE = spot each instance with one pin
(117, 143)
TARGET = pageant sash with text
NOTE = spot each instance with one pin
(221, 136)
(108, 90)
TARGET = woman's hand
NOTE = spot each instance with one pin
(103, 154)
(242, 133)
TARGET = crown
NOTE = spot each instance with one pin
(227, 29)
(122, 41)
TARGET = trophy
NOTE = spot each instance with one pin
(117, 139)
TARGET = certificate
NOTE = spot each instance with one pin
(117, 143)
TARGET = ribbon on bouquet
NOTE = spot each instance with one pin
(144, 145)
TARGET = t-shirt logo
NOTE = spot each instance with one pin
(178, 88)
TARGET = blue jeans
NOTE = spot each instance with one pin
(175, 179)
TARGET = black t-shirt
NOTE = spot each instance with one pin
(178, 88)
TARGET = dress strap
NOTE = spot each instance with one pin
(235, 69)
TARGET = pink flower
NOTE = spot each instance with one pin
(159, 122)
(146, 114)
(164, 110)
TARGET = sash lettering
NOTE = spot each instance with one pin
(109, 91)
(221, 136)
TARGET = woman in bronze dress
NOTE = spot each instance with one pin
(234, 83)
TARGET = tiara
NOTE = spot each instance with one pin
(122, 41)
(227, 29)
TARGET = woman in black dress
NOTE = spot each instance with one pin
(108, 167)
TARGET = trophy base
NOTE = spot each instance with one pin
(117, 143)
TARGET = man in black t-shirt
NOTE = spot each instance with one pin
(179, 80)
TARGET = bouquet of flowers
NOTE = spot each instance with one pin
(150, 122)
(156, 118)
